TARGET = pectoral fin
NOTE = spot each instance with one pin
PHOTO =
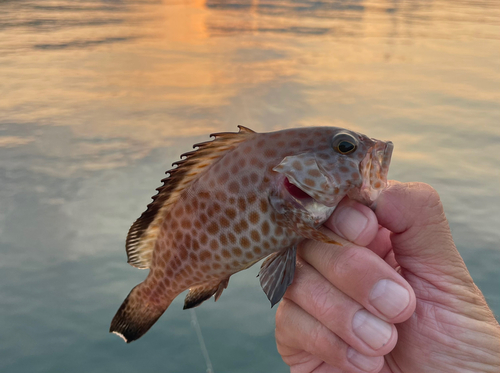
(276, 273)
(198, 294)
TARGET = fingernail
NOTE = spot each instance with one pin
(350, 223)
(389, 298)
(366, 363)
(370, 329)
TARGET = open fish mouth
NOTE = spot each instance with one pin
(374, 169)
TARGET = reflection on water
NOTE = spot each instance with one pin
(98, 98)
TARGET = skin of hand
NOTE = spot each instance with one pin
(395, 298)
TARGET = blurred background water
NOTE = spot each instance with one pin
(98, 98)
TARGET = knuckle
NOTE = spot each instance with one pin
(321, 295)
(426, 195)
(346, 259)
(428, 201)
(282, 315)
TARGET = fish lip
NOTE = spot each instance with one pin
(383, 153)
(374, 168)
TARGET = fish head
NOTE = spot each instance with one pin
(351, 164)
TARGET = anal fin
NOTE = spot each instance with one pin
(198, 294)
(276, 273)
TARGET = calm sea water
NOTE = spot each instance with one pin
(98, 98)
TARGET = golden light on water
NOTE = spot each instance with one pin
(155, 72)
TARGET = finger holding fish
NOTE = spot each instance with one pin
(335, 295)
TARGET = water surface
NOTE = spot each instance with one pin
(98, 98)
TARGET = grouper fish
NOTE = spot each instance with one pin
(237, 199)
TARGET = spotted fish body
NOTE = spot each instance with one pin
(237, 199)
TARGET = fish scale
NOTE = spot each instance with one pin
(237, 199)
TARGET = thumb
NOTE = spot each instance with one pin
(422, 241)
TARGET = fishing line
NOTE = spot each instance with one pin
(204, 351)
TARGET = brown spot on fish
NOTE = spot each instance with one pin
(213, 228)
(242, 203)
(195, 245)
(205, 255)
(234, 187)
(263, 206)
(309, 182)
(223, 178)
(203, 218)
(314, 173)
(214, 245)
(232, 237)
(203, 238)
(257, 250)
(204, 195)
(230, 213)
(244, 242)
(183, 254)
(255, 236)
(254, 178)
(226, 254)
(220, 196)
(265, 228)
(237, 251)
(224, 223)
(297, 165)
(251, 198)
(253, 217)
(174, 225)
(245, 181)
(270, 153)
(223, 239)
(243, 224)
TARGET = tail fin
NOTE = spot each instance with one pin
(135, 316)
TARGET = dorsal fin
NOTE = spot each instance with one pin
(142, 234)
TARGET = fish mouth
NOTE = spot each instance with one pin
(374, 169)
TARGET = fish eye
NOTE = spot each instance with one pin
(345, 144)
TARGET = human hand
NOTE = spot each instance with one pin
(400, 302)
